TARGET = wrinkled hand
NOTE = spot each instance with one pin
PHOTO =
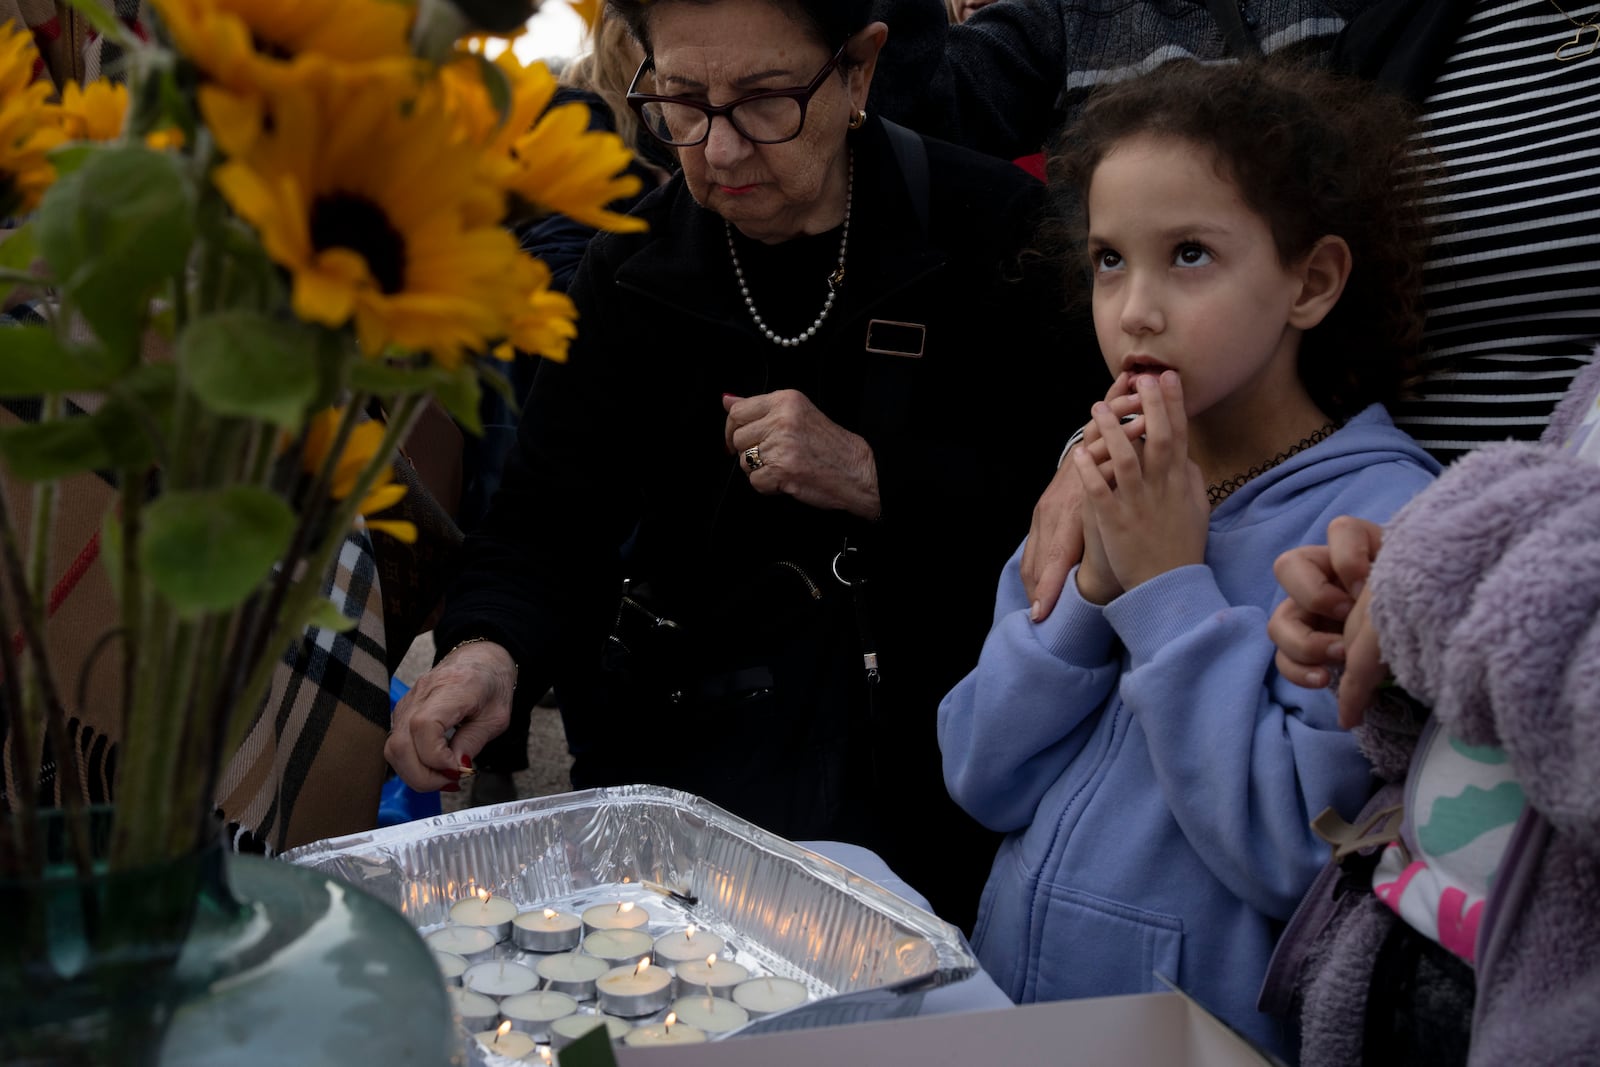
(804, 453)
(1324, 622)
(1154, 516)
(468, 691)
(1056, 534)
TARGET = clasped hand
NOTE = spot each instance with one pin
(1144, 502)
(803, 453)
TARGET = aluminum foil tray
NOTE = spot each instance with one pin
(862, 952)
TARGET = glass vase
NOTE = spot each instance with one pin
(87, 967)
(208, 959)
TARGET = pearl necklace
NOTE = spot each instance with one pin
(835, 280)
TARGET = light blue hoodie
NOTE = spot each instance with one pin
(1154, 773)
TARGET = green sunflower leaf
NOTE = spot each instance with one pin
(459, 393)
(17, 253)
(327, 616)
(114, 232)
(111, 549)
(496, 84)
(208, 551)
(389, 379)
(33, 361)
(114, 437)
(250, 366)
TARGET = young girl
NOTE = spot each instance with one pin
(1255, 259)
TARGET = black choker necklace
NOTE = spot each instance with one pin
(1222, 490)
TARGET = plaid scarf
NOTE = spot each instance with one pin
(69, 48)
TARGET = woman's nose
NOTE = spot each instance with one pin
(724, 145)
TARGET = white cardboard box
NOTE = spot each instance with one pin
(1160, 1029)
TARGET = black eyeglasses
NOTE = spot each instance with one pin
(771, 116)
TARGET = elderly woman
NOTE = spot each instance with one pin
(751, 529)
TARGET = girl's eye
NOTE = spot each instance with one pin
(1105, 259)
(1191, 255)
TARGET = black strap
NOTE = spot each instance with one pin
(1240, 41)
(912, 155)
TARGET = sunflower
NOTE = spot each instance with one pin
(29, 127)
(545, 156)
(93, 112)
(362, 192)
(544, 322)
(251, 45)
(359, 448)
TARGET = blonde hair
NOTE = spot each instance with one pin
(607, 69)
(953, 9)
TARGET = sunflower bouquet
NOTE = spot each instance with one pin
(294, 214)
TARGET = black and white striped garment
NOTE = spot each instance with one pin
(1513, 279)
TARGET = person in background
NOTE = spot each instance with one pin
(962, 10)
(750, 527)
(1253, 240)
(1467, 930)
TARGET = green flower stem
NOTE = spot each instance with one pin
(22, 849)
(297, 607)
(255, 654)
(132, 498)
(131, 844)
(191, 813)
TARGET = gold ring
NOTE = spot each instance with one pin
(752, 457)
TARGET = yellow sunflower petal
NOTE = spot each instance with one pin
(565, 169)
(382, 498)
(94, 112)
(399, 529)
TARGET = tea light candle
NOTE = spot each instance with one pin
(472, 943)
(710, 974)
(486, 910)
(567, 1029)
(634, 991)
(624, 916)
(507, 1042)
(711, 1014)
(450, 966)
(499, 978)
(546, 930)
(617, 947)
(667, 1032)
(532, 1013)
(690, 944)
(764, 996)
(476, 1011)
(572, 973)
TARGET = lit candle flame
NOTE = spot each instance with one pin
(671, 1018)
(484, 895)
(544, 1054)
(625, 907)
(549, 913)
(626, 879)
(688, 935)
(502, 1030)
(644, 965)
(711, 960)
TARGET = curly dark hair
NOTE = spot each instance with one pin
(832, 22)
(1314, 155)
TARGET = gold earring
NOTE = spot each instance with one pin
(859, 119)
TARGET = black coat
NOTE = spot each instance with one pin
(621, 472)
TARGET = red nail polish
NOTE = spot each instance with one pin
(466, 761)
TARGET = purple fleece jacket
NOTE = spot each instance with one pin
(1487, 599)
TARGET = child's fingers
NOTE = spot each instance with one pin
(1121, 387)
(1096, 486)
(1124, 458)
(1158, 448)
(1352, 546)
(1177, 420)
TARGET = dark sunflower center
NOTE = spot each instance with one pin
(344, 220)
(271, 48)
